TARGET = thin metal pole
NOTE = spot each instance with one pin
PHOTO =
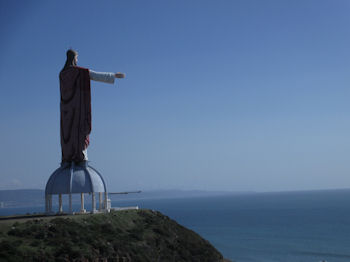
(105, 202)
(93, 203)
(100, 201)
(82, 210)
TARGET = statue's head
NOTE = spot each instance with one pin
(72, 57)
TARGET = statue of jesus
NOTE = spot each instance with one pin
(75, 106)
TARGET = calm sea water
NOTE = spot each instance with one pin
(294, 226)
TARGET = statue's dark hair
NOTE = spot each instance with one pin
(70, 59)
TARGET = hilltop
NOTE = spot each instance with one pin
(131, 235)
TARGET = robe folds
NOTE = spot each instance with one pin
(75, 109)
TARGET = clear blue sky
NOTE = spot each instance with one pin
(219, 95)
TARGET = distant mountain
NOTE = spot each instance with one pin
(36, 197)
(174, 193)
(22, 197)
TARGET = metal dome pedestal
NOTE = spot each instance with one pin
(72, 178)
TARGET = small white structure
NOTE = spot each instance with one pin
(71, 178)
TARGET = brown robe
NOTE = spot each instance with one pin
(75, 110)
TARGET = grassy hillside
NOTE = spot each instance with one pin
(133, 235)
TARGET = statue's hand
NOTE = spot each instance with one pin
(119, 75)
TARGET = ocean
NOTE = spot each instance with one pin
(302, 226)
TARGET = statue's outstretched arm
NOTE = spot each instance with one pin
(102, 76)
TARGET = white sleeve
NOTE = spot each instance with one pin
(102, 77)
